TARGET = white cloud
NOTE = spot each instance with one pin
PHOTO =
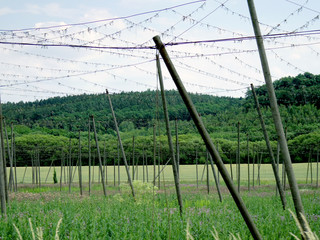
(5, 11)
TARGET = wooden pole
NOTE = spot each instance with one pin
(39, 167)
(105, 170)
(2, 186)
(269, 148)
(120, 143)
(205, 136)
(80, 165)
(89, 154)
(177, 148)
(173, 157)
(10, 156)
(317, 168)
(277, 119)
(3, 156)
(143, 170)
(45, 181)
(238, 158)
(248, 157)
(208, 180)
(277, 159)
(32, 166)
(154, 154)
(118, 165)
(99, 156)
(215, 178)
(133, 158)
(197, 177)
(70, 170)
(14, 158)
(61, 168)
(24, 174)
(231, 171)
(308, 166)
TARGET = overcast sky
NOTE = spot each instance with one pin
(223, 68)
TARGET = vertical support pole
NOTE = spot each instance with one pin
(215, 178)
(89, 154)
(99, 156)
(308, 166)
(259, 168)
(24, 174)
(253, 161)
(10, 186)
(197, 177)
(277, 119)
(177, 148)
(277, 159)
(238, 158)
(80, 165)
(118, 165)
(317, 168)
(173, 158)
(105, 168)
(159, 158)
(207, 167)
(39, 167)
(143, 170)
(70, 169)
(132, 158)
(32, 166)
(231, 171)
(311, 166)
(3, 156)
(114, 171)
(248, 156)
(14, 158)
(154, 154)
(205, 136)
(269, 148)
(61, 168)
(147, 171)
(2, 185)
(120, 143)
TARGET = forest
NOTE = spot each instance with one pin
(47, 125)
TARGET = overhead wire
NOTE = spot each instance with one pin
(102, 20)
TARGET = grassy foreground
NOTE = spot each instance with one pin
(154, 214)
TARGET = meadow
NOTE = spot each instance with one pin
(154, 213)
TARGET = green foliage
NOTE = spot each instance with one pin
(48, 124)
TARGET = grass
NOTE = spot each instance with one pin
(152, 216)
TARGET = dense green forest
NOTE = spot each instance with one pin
(47, 125)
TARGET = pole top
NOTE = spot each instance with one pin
(107, 91)
(158, 42)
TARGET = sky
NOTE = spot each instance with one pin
(62, 48)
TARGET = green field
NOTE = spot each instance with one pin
(187, 173)
(154, 214)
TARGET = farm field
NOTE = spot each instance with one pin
(187, 173)
(154, 214)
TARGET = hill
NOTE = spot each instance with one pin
(50, 123)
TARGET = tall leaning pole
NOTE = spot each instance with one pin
(277, 118)
(206, 138)
(121, 145)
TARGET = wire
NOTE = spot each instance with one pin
(103, 20)
(196, 23)
(310, 9)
